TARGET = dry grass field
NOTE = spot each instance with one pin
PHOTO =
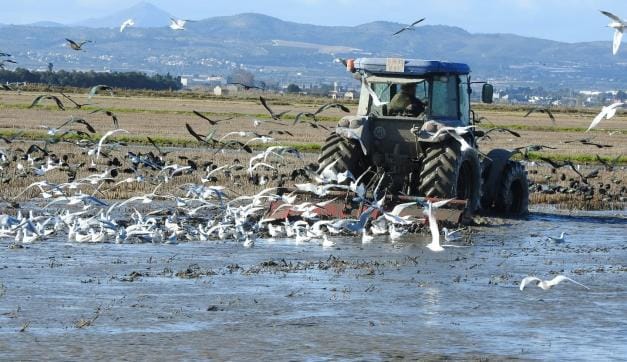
(164, 120)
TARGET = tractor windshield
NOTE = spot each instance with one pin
(395, 96)
(443, 97)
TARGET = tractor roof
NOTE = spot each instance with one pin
(417, 67)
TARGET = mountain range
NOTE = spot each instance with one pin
(283, 51)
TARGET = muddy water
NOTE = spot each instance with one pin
(280, 300)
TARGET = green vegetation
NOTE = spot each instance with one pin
(143, 140)
(576, 158)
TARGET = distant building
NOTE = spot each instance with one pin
(349, 95)
(220, 91)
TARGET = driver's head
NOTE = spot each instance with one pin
(408, 88)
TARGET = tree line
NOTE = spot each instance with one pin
(128, 80)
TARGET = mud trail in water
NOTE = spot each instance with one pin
(280, 300)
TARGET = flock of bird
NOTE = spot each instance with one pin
(204, 210)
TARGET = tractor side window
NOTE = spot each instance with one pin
(384, 93)
(464, 100)
(444, 98)
(422, 92)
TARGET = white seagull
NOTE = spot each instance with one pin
(433, 224)
(110, 133)
(177, 24)
(452, 235)
(607, 112)
(617, 24)
(556, 239)
(127, 24)
(547, 284)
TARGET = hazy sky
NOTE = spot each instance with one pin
(564, 20)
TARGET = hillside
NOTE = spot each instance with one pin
(286, 51)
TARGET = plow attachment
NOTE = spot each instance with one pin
(340, 205)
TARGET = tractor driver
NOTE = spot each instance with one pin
(405, 102)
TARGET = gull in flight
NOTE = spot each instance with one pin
(110, 133)
(410, 26)
(619, 25)
(452, 235)
(127, 24)
(607, 112)
(177, 24)
(433, 224)
(547, 284)
(78, 46)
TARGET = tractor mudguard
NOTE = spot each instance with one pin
(357, 128)
(426, 133)
(493, 167)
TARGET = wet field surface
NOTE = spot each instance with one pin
(282, 300)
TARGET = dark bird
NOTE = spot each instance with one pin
(12, 137)
(72, 120)
(246, 86)
(609, 164)
(76, 104)
(567, 163)
(110, 114)
(314, 123)
(300, 115)
(275, 116)
(542, 110)
(279, 132)
(499, 129)
(211, 121)
(235, 145)
(201, 138)
(588, 142)
(101, 87)
(35, 148)
(77, 46)
(159, 150)
(40, 98)
(409, 27)
(332, 105)
(524, 150)
(3, 61)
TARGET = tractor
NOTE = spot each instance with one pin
(428, 149)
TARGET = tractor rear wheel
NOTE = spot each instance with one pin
(348, 154)
(513, 195)
(447, 172)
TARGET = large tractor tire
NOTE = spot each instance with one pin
(348, 154)
(513, 194)
(447, 172)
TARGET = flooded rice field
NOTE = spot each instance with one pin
(283, 300)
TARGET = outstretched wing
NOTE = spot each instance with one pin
(213, 123)
(618, 37)
(72, 42)
(560, 278)
(417, 21)
(265, 105)
(597, 119)
(527, 280)
(611, 16)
